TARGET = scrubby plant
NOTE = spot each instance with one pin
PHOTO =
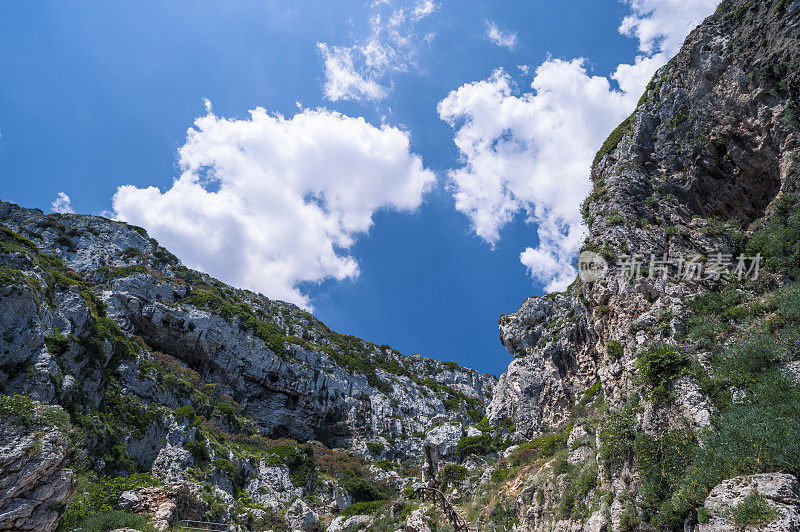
(480, 444)
(754, 510)
(100, 498)
(614, 349)
(453, 474)
(375, 447)
(659, 365)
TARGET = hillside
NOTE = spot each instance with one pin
(664, 399)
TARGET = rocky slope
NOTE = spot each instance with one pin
(159, 365)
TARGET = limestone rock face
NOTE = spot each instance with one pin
(302, 518)
(440, 443)
(35, 481)
(298, 385)
(553, 362)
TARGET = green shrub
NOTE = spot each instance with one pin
(754, 510)
(504, 515)
(662, 463)
(614, 349)
(778, 238)
(613, 140)
(481, 444)
(453, 474)
(298, 458)
(375, 447)
(57, 344)
(363, 508)
(743, 362)
(198, 450)
(659, 365)
(115, 519)
(361, 489)
(102, 498)
(501, 474)
(618, 436)
(475, 415)
(20, 407)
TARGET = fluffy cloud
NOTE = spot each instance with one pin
(270, 202)
(530, 152)
(499, 37)
(662, 25)
(62, 204)
(362, 69)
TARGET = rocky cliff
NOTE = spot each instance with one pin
(676, 336)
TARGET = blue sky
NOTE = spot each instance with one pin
(385, 227)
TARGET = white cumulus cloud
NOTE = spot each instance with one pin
(268, 202)
(362, 69)
(499, 37)
(531, 152)
(62, 204)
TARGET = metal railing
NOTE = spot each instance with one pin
(424, 493)
(204, 525)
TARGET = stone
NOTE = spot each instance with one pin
(781, 491)
(302, 518)
(36, 482)
(417, 521)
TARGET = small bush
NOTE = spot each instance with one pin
(115, 519)
(375, 447)
(659, 365)
(20, 407)
(618, 436)
(363, 508)
(101, 499)
(614, 349)
(482, 444)
(753, 511)
(453, 474)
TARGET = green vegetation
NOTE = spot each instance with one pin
(618, 435)
(375, 447)
(754, 511)
(777, 238)
(659, 366)
(613, 140)
(480, 445)
(363, 508)
(614, 349)
(25, 412)
(213, 300)
(453, 474)
(94, 509)
(615, 219)
(115, 519)
(20, 407)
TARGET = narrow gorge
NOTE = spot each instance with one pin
(136, 391)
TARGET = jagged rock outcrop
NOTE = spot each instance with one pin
(35, 483)
(553, 364)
